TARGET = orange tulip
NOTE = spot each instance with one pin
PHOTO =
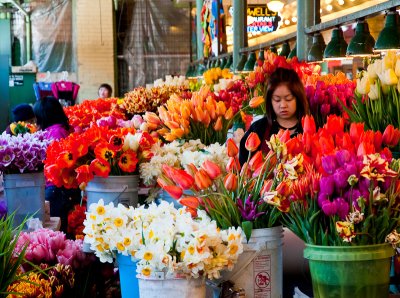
(84, 175)
(218, 124)
(151, 117)
(191, 168)
(202, 180)
(183, 179)
(99, 168)
(233, 164)
(231, 182)
(266, 186)
(256, 101)
(356, 131)
(229, 114)
(252, 142)
(231, 148)
(391, 136)
(220, 108)
(174, 191)
(206, 119)
(191, 202)
(334, 124)
(211, 168)
(178, 132)
(256, 160)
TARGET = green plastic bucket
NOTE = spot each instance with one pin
(350, 271)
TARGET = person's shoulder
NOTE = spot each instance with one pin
(57, 131)
(260, 123)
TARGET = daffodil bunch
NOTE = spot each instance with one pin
(377, 96)
(162, 239)
(213, 75)
(200, 117)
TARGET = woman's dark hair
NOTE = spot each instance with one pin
(48, 111)
(107, 86)
(289, 78)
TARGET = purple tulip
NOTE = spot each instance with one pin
(3, 209)
(326, 185)
(329, 208)
(343, 157)
(325, 109)
(342, 208)
(351, 169)
(249, 209)
(329, 164)
(352, 196)
(340, 177)
(322, 198)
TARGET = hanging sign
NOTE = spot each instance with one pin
(261, 19)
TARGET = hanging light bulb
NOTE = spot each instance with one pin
(336, 48)
(275, 5)
(316, 51)
(285, 49)
(389, 38)
(362, 43)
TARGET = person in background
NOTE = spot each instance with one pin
(51, 118)
(105, 91)
(286, 104)
(22, 113)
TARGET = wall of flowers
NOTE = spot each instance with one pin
(336, 184)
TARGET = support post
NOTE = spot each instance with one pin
(199, 6)
(238, 28)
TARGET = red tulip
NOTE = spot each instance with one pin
(211, 168)
(191, 202)
(183, 179)
(334, 124)
(174, 191)
(84, 175)
(252, 142)
(233, 164)
(356, 132)
(308, 124)
(256, 160)
(231, 182)
(231, 148)
(391, 136)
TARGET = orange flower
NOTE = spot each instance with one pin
(308, 124)
(233, 164)
(191, 202)
(256, 161)
(66, 159)
(231, 182)
(104, 152)
(218, 124)
(116, 142)
(252, 142)
(231, 148)
(256, 101)
(99, 168)
(128, 161)
(84, 175)
(202, 179)
(211, 168)
(391, 136)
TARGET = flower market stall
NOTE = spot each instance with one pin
(166, 200)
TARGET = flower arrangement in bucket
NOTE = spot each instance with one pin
(342, 199)
(23, 153)
(99, 151)
(377, 99)
(166, 243)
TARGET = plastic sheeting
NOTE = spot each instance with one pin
(157, 41)
(52, 38)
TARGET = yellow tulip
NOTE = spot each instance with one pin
(363, 84)
(388, 77)
(373, 92)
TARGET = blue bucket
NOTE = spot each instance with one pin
(127, 276)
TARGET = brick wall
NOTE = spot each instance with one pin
(95, 53)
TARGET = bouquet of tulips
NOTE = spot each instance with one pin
(73, 161)
(329, 94)
(342, 187)
(232, 196)
(377, 103)
(22, 127)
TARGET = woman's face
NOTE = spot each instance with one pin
(284, 103)
(103, 93)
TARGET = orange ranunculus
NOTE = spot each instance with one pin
(104, 152)
(211, 168)
(100, 168)
(116, 142)
(231, 148)
(252, 142)
(84, 175)
(231, 182)
(308, 124)
(256, 101)
(191, 202)
(128, 161)
(202, 180)
(66, 159)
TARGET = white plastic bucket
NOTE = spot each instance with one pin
(259, 268)
(113, 189)
(25, 195)
(172, 288)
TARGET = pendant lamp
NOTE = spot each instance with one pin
(229, 62)
(285, 49)
(273, 49)
(315, 54)
(336, 48)
(362, 43)
(222, 62)
(251, 61)
(293, 52)
(389, 38)
(241, 63)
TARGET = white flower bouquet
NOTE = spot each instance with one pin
(162, 239)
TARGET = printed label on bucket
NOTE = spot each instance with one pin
(262, 276)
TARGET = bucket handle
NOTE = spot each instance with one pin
(121, 192)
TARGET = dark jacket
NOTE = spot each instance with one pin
(260, 127)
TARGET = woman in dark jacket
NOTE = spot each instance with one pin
(286, 103)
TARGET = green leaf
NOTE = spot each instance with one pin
(247, 227)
